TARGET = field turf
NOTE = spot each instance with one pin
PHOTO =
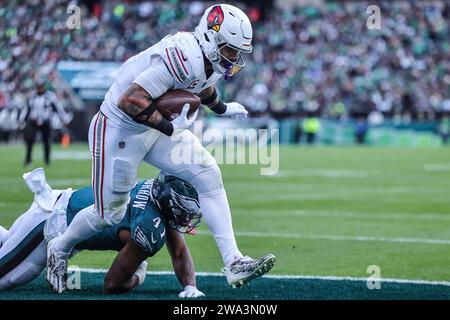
(330, 211)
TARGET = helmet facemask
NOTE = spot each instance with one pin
(229, 66)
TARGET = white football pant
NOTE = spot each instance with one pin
(23, 251)
(117, 154)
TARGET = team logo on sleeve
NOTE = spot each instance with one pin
(215, 18)
(142, 241)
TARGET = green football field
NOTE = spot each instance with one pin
(329, 214)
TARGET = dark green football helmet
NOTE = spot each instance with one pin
(178, 201)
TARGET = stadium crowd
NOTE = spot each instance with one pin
(314, 59)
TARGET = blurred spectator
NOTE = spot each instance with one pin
(298, 133)
(4, 125)
(311, 127)
(444, 129)
(312, 57)
(4, 119)
(361, 130)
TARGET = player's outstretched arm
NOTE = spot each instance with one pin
(183, 265)
(210, 98)
(122, 276)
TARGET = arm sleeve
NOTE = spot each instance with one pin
(156, 79)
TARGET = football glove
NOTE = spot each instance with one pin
(190, 292)
(235, 110)
(182, 121)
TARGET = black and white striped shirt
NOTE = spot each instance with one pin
(40, 108)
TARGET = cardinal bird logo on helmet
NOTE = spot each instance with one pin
(215, 18)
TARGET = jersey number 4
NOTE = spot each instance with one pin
(157, 222)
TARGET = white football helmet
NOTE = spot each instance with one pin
(224, 32)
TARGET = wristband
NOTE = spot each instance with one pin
(219, 108)
(165, 127)
(210, 99)
(142, 117)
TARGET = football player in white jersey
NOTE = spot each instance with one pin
(128, 130)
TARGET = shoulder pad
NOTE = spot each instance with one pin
(183, 57)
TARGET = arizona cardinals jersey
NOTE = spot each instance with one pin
(176, 62)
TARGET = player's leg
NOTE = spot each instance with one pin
(29, 136)
(175, 155)
(115, 160)
(183, 155)
(87, 222)
(116, 156)
(46, 139)
(29, 269)
(22, 254)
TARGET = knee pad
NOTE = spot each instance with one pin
(124, 176)
(207, 180)
(123, 180)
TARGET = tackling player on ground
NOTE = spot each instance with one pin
(158, 212)
(128, 130)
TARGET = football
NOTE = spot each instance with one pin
(171, 103)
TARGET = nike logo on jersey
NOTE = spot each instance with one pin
(182, 56)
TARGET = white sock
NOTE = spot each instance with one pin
(217, 215)
(84, 225)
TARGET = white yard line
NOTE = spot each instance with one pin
(293, 277)
(72, 155)
(68, 182)
(324, 173)
(332, 237)
(348, 214)
(437, 167)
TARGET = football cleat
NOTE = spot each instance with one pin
(56, 271)
(246, 269)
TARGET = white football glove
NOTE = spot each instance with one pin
(141, 272)
(190, 292)
(235, 110)
(182, 121)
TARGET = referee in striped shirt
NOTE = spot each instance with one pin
(37, 115)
